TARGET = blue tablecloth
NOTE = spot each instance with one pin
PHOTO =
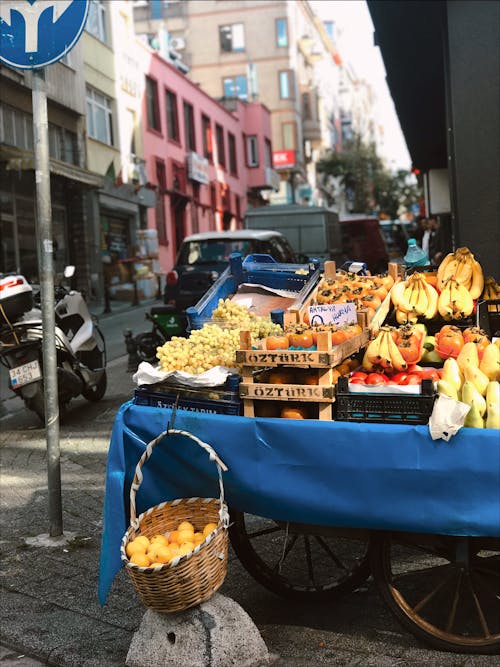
(331, 473)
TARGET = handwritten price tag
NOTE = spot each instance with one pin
(333, 313)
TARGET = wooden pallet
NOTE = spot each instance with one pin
(322, 360)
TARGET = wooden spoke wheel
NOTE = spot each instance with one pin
(300, 561)
(445, 590)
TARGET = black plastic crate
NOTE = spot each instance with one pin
(223, 400)
(488, 317)
(384, 408)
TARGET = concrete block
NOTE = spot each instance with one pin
(216, 633)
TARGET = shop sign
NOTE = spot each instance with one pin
(283, 159)
(197, 168)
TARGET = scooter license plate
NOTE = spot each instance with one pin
(30, 372)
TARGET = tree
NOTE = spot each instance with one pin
(368, 185)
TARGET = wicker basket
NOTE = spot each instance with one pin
(187, 580)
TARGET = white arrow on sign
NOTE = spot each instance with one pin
(31, 14)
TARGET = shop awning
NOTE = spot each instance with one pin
(411, 38)
(19, 160)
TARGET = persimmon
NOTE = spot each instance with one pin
(370, 301)
(339, 336)
(281, 376)
(304, 339)
(277, 342)
(293, 412)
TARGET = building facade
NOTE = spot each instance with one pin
(70, 178)
(205, 160)
(276, 52)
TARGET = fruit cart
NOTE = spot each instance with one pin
(318, 505)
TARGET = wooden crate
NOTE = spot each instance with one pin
(296, 314)
(322, 360)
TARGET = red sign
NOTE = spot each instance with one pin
(283, 159)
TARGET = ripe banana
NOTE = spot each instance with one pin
(463, 305)
(397, 360)
(432, 300)
(372, 353)
(442, 268)
(422, 301)
(477, 284)
(444, 302)
(397, 293)
(385, 357)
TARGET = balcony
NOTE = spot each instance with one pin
(311, 129)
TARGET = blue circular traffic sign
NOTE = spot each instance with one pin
(37, 33)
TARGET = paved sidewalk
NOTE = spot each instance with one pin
(49, 611)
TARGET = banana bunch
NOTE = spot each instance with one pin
(414, 298)
(491, 292)
(455, 301)
(464, 268)
(382, 352)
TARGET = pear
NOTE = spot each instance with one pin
(490, 363)
(477, 377)
(473, 419)
(452, 373)
(447, 389)
(471, 395)
(468, 353)
(493, 405)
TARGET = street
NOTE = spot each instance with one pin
(49, 595)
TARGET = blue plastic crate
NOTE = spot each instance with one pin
(223, 400)
(257, 269)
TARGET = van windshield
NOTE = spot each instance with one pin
(212, 251)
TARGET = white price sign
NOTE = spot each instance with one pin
(333, 313)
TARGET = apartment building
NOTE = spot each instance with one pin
(70, 178)
(276, 52)
(114, 65)
(206, 160)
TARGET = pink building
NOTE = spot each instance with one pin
(207, 161)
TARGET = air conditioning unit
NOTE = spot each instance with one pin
(177, 43)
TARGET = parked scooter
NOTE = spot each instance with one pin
(166, 322)
(80, 345)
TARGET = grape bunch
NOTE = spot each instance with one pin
(214, 344)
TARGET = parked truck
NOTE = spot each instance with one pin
(316, 231)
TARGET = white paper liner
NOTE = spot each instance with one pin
(148, 374)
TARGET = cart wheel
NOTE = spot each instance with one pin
(445, 590)
(299, 561)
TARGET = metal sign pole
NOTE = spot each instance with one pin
(46, 269)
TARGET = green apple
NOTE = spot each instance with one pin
(430, 355)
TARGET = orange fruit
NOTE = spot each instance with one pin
(173, 537)
(185, 525)
(209, 528)
(185, 548)
(136, 546)
(163, 554)
(185, 536)
(198, 537)
(159, 539)
(140, 558)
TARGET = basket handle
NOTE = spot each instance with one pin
(138, 477)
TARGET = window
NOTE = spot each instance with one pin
(236, 86)
(62, 144)
(233, 167)
(152, 109)
(286, 85)
(289, 136)
(221, 151)
(269, 153)
(206, 128)
(232, 37)
(16, 127)
(252, 151)
(99, 116)
(172, 117)
(306, 106)
(330, 29)
(96, 21)
(161, 177)
(189, 126)
(281, 32)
